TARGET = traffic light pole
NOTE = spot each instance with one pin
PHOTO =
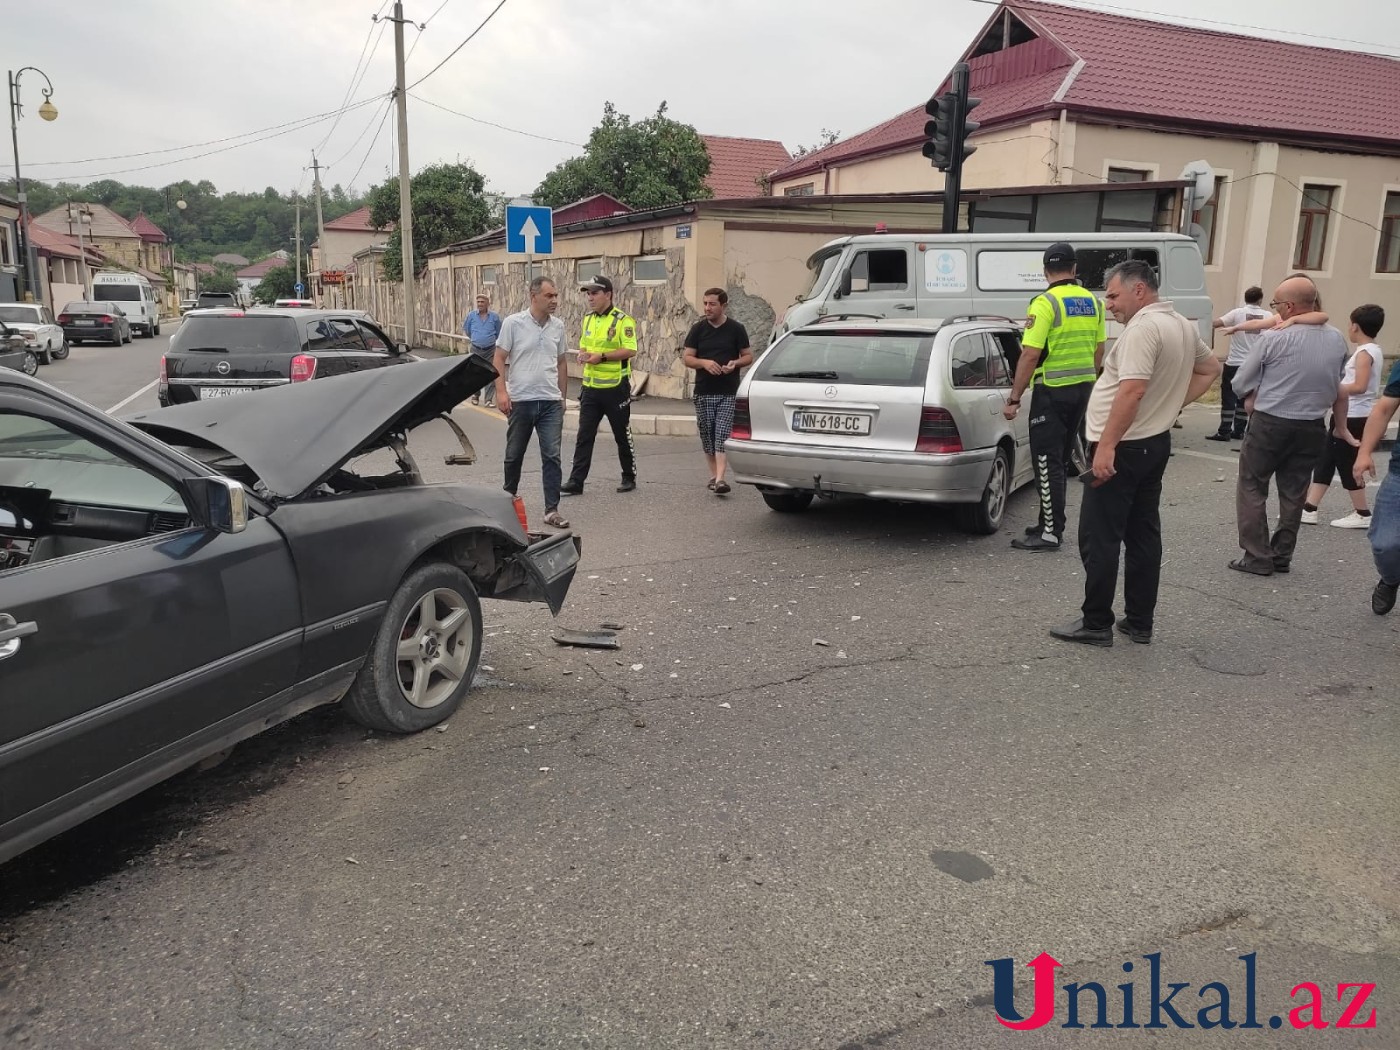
(952, 178)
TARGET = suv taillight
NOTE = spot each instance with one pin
(303, 368)
(743, 425)
(938, 431)
(162, 377)
(519, 510)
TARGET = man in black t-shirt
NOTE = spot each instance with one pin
(717, 348)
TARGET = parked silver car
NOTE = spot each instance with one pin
(885, 409)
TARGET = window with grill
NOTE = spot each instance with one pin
(1314, 220)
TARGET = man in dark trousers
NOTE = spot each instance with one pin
(1060, 352)
(1157, 366)
(607, 344)
(717, 347)
(1294, 376)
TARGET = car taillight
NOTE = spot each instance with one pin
(743, 425)
(106, 318)
(64, 318)
(303, 368)
(938, 432)
(519, 509)
(161, 376)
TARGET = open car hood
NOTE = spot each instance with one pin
(296, 436)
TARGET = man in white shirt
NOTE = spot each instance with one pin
(1233, 417)
(530, 391)
(1158, 365)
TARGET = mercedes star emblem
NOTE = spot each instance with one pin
(831, 391)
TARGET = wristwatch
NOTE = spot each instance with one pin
(1013, 400)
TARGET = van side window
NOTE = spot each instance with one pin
(880, 270)
(1095, 262)
(969, 361)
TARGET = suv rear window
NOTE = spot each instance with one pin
(247, 333)
(867, 358)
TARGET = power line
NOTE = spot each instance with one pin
(300, 125)
(306, 121)
(459, 47)
(376, 115)
(1370, 44)
(351, 86)
(479, 120)
(424, 25)
(373, 142)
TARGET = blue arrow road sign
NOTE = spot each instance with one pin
(529, 231)
(301, 289)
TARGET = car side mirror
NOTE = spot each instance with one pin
(400, 348)
(222, 503)
(845, 287)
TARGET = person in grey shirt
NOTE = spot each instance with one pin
(1294, 376)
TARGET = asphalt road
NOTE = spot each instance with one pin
(836, 767)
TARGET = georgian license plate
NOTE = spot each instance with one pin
(831, 422)
(86, 324)
(207, 393)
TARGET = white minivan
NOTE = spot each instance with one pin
(939, 276)
(134, 294)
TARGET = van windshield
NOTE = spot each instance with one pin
(822, 265)
(117, 293)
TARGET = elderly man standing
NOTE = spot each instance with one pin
(1294, 376)
(483, 328)
(1158, 365)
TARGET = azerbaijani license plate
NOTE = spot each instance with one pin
(86, 324)
(207, 393)
(831, 422)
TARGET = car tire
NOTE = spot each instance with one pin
(63, 350)
(46, 358)
(417, 674)
(985, 516)
(155, 331)
(788, 502)
(30, 364)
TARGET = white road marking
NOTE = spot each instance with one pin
(126, 401)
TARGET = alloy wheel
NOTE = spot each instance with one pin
(435, 648)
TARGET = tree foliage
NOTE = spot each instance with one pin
(280, 282)
(647, 164)
(253, 225)
(449, 205)
(828, 137)
(221, 280)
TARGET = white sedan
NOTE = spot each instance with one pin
(41, 332)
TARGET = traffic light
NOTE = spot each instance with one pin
(938, 132)
(967, 126)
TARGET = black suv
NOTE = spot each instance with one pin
(215, 300)
(220, 353)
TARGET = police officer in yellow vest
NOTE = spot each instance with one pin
(1061, 349)
(607, 345)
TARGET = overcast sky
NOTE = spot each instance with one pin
(150, 75)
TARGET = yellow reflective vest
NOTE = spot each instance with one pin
(614, 330)
(1066, 321)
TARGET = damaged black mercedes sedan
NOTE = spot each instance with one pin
(182, 580)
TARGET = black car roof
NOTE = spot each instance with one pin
(283, 311)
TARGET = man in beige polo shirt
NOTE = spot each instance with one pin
(1158, 365)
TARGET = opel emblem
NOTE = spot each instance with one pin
(222, 368)
(831, 391)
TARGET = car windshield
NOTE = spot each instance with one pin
(822, 267)
(117, 293)
(19, 314)
(235, 333)
(867, 358)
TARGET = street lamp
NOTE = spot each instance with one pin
(47, 111)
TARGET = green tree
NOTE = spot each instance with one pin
(449, 205)
(221, 280)
(279, 283)
(647, 164)
(828, 137)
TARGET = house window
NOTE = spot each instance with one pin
(489, 274)
(1127, 175)
(807, 189)
(1208, 218)
(533, 270)
(1388, 256)
(589, 269)
(1313, 219)
(649, 269)
(7, 251)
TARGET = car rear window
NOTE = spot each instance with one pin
(235, 334)
(866, 358)
(116, 293)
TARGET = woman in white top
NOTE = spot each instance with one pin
(1361, 381)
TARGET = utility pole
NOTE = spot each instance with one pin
(297, 199)
(410, 310)
(320, 227)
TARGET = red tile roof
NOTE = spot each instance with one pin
(51, 242)
(1200, 78)
(148, 230)
(598, 206)
(737, 164)
(357, 222)
(259, 270)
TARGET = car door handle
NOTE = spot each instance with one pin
(904, 306)
(11, 632)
